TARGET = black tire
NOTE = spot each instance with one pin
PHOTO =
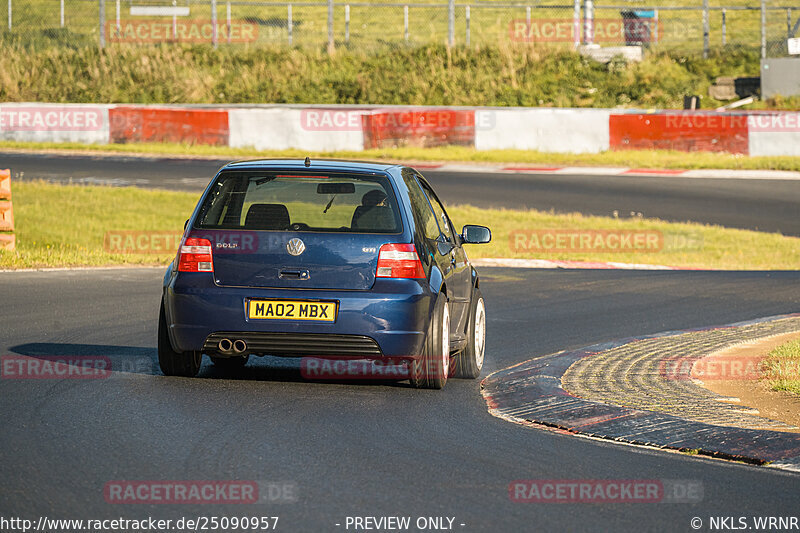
(469, 362)
(431, 370)
(174, 363)
(230, 364)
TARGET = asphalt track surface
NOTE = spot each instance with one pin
(765, 205)
(354, 449)
(377, 448)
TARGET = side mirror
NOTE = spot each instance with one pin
(476, 234)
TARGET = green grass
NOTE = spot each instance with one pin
(427, 75)
(655, 159)
(65, 225)
(782, 367)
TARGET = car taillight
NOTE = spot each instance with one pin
(195, 256)
(399, 261)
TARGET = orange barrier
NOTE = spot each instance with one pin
(7, 240)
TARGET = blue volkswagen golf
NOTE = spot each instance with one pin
(324, 259)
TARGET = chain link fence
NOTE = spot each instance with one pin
(696, 27)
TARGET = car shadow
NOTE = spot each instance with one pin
(144, 360)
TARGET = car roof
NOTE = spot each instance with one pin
(316, 164)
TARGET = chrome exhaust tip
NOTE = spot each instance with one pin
(239, 346)
(225, 345)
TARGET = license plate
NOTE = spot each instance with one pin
(291, 310)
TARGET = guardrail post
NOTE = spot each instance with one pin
(7, 237)
(588, 22)
(214, 36)
(102, 21)
(576, 23)
(451, 22)
(763, 28)
(724, 27)
(467, 15)
(405, 22)
(330, 27)
(656, 27)
(706, 30)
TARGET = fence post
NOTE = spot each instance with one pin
(9, 15)
(102, 21)
(528, 16)
(467, 15)
(228, 20)
(657, 27)
(214, 36)
(347, 23)
(788, 22)
(62, 13)
(763, 28)
(289, 23)
(576, 23)
(724, 27)
(451, 22)
(118, 19)
(405, 22)
(588, 22)
(706, 30)
(330, 27)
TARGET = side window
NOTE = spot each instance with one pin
(423, 215)
(441, 215)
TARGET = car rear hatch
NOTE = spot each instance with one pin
(304, 230)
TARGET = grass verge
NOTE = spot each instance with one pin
(65, 225)
(653, 159)
(782, 367)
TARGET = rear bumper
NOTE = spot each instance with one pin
(394, 314)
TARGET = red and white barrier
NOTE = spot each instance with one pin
(679, 130)
(57, 123)
(545, 130)
(356, 128)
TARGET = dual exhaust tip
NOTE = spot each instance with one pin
(228, 346)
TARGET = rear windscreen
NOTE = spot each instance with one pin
(292, 201)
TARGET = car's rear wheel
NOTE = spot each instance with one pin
(470, 361)
(174, 363)
(230, 363)
(430, 371)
